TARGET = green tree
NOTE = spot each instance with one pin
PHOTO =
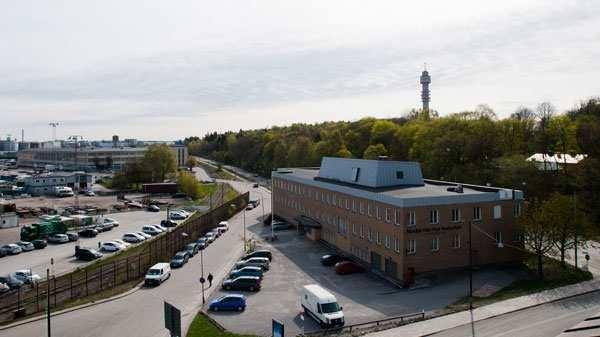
(160, 161)
(375, 151)
(189, 185)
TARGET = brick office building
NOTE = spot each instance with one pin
(388, 217)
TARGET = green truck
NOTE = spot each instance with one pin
(43, 230)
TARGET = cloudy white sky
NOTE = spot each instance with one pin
(169, 69)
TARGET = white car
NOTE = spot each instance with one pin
(114, 222)
(210, 237)
(223, 226)
(162, 228)
(122, 243)
(133, 238)
(111, 247)
(146, 236)
(58, 238)
(148, 229)
(26, 276)
(249, 207)
(184, 212)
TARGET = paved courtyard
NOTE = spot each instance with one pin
(364, 297)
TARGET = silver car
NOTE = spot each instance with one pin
(26, 246)
(11, 249)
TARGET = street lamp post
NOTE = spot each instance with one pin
(48, 297)
(471, 278)
(202, 273)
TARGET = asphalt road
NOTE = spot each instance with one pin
(546, 320)
(140, 314)
(39, 260)
(201, 175)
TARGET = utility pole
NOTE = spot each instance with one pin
(48, 298)
(576, 224)
(471, 278)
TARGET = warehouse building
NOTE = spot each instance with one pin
(46, 183)
(385, 215)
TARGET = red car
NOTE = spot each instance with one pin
(348, 267)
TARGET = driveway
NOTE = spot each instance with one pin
(364, 297)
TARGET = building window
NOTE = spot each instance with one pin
(476, 213)
(387, 241)
(378, 238)
(399, 174)
(455, 214)
(347, 203)
(355, 173)
(456, 241)
(369, 212)
(497, 212)
(412, 218)
(498, 236)
(333, 199)
(362, 231)
(378, 212)
(411, 247)
(370, 234)
(354, 229)
(434, 216)
(397, 245)
(397, 217)
(435, 244)
(353, 205)
(517, 209)
(362, 208)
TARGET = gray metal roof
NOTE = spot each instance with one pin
(371, 173)
(430, 193)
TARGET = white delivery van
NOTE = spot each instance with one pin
(157, 274)
(321, 305)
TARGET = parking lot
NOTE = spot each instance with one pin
(364, 297)
(63, 254)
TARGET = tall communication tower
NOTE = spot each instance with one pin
(53, 125)
(425, 80)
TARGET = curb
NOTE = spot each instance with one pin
(65, 311)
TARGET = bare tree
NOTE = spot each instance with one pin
(523, 113)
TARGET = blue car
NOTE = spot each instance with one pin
(229, 302)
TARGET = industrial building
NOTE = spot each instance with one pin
(385, 215)
(89, 158)
(8, 215)
(46, 183)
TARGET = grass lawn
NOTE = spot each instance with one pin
(555, 275)
(203, 327)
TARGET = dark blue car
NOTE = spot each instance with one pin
(228, 302)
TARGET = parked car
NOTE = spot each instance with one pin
(348, 267)
(280, 226)
(192, 248)
(122, 243)
(110, 247)
(216, 232)
(133, 238)
(39, 243)
(210, 237)
(104, 227)
(58, 238)
(174, 215)
(259, 253)
(88, 233)
(202, 243)
(168, 223)
(151, 230)
(223, 226)
(147, 236)
(247, 271)
(4, 288)
(153, 208)
(89, 193)
(157, 274)
(26, 276)
(72, 236)
(228, 302)
(164, 229)
(253, 262)
(11, 281)
(255, 185)
(249, 207)
(251, 283)
(331, 259)
(180, 259)
(87, 254)
(26, 246)
(111, 221)
(11, 249)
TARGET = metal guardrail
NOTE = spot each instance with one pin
(399, 320)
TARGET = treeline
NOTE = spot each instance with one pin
(471, 147)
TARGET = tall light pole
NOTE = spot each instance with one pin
(471, 278)
(202, 273)
(48, 303)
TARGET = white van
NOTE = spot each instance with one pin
(157, 274)
(321, 305)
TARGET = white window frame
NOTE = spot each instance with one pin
(434, 216)
(453, 212)
(456, 241)
(498, 237)
(378, 238)
(397, 217)
(412, 219)
(362, 231)
(476, 213)
(396, 245)
(435, 244)
(497, 212)
(362, 208)
(411, 247)
(378, 212)
(387, 241)
(369, 210)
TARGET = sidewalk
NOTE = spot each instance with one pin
(442, 323)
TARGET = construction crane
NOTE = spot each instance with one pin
(53, 125)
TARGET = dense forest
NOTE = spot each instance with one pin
(471, 147)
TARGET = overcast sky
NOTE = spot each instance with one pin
(169, 69)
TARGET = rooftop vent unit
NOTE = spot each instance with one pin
(458, 188)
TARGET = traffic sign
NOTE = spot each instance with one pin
(173, 320)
